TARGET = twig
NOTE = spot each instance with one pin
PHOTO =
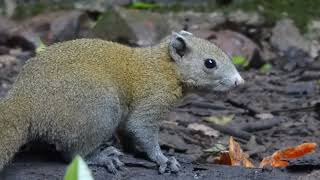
(315, 107)
(260, 125)
(251, 111)
(205, 105)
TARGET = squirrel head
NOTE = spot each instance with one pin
(202, 64)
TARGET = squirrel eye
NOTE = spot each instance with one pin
(210, 63)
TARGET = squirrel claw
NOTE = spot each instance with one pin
(172, 165)
(108, 158)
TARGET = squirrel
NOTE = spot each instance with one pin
(77, 93)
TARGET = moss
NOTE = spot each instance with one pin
(25, 10)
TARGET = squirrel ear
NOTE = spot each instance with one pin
(177, 45)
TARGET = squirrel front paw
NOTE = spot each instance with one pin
(172, 165)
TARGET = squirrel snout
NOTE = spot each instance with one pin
(238, 80)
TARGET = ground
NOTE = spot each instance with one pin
(274, 94)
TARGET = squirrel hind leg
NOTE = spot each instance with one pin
(11, 139)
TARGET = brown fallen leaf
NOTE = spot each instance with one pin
(280, 158)
(235, 152)
(224, 158)
(235, 156)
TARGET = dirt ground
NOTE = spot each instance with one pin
(278, 109)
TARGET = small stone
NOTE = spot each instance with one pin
(246, 18)
(264, 116)
(286, 35)
(237, 44)
(132, 27)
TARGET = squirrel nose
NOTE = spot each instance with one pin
(238, 81)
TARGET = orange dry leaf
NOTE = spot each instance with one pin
(224, 158)
(280, 158)
(235, 152)
(247, 163)
(235, 156)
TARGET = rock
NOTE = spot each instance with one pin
(314, 175)
(216, 18)
(246, 18)
(286, 35)
(313, 30)
(203, 33)
(264, 116)
(267, 52)
(131, 27)
(52, 27)
(10, 6)
(197, 22)
(296, 58)
(6, 25)
(236, 44)
(67, 26)
(9, 69)
(192, 20)
(313, 34)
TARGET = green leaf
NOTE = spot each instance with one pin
(143, 5)
(266, 68)
(240, 61)
(41, 46)
(216, 148)
(78, 170)
(222, 120)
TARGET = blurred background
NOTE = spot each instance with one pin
(274, 44)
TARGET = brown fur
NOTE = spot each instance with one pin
(38, 105)
(77, 93)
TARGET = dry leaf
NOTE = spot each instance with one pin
(280, 158)
(235, 156)
(247, 163)
(224, 158)
(235, 152)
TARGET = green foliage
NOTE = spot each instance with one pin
(216, 149)
(144, 5)
(240, 61)
(221, 120)
(78, 170)
(41, 46)
(25, 10)
(266, 68)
